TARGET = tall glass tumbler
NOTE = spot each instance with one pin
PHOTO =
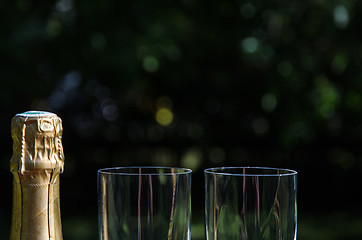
(250, 203)
(144, 203)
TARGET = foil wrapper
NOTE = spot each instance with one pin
(37, 161)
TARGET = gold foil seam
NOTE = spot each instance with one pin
(37, 184)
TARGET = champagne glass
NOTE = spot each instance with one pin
(144, 203)
(250, 203)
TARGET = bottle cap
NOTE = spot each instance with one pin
(37, 142)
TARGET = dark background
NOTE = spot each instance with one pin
(191, 84)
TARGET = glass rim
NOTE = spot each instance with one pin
(109, 171)
(219, 171)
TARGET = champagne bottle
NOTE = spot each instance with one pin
(37, 161)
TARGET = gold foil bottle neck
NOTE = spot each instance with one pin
(37, 142)
(37, 161)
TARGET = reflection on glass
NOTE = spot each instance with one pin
(250, 204)
(151, 203)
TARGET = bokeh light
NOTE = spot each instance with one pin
(341, 16)
(151, 64)
(269, 102)
(192, 159)
(250, 44)
(164, 116)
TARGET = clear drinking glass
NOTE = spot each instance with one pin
(144, 203)
(250, 203)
